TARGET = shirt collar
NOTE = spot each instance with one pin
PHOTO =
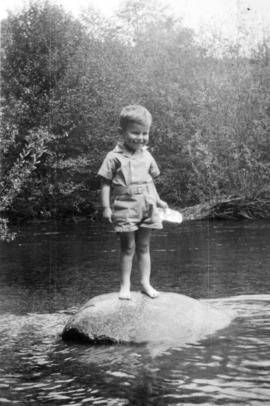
(122, 150)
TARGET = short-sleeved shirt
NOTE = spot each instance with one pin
(124, 168)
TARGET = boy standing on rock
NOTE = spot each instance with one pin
(127, 173)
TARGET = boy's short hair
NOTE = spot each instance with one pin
(134, 113)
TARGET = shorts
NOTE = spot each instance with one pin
(130, 212)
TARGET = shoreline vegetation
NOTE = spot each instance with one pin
(214, 210)
(229, 209)
(232, 208)
(65, 79)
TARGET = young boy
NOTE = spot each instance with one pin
(128, 171)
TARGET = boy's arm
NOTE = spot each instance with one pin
(105, 199)
(160, 203)
(154, 172)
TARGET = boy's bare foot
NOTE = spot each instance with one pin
(150, 291)
(124, 293)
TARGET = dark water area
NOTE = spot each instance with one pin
(50, 270)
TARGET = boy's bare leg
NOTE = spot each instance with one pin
(127, 246)
(143, 236)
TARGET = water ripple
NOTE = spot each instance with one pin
(49, 272)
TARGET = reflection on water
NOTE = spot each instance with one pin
(48, 272)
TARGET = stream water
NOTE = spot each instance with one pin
(50, 270)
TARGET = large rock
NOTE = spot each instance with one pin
(169, 318)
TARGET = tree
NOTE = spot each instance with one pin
(69, 78)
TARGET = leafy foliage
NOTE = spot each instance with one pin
(65, 80)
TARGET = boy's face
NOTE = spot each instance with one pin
(136, 136)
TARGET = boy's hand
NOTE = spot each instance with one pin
(163, 205)
(107, 214)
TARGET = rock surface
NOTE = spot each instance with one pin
(169, 318)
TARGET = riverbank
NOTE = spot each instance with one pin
(229, 209)
(226, 208)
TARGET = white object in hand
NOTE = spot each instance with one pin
(170, 215)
